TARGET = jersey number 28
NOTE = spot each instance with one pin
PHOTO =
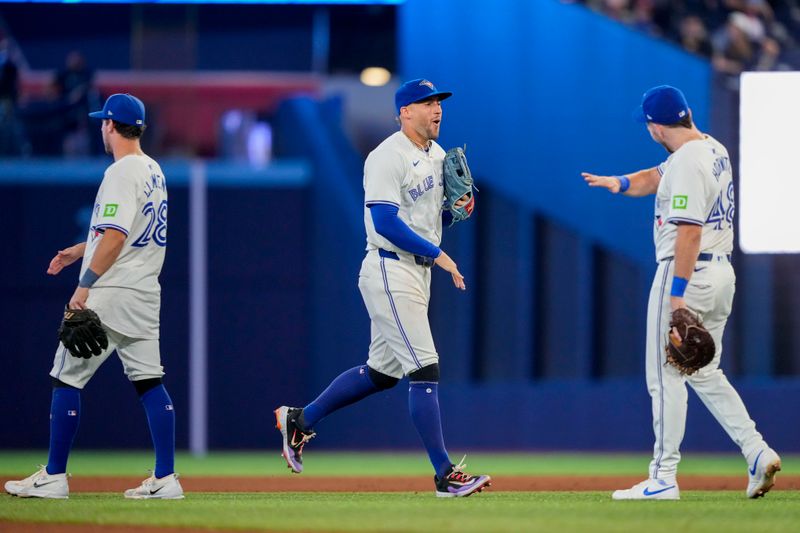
(157, 218)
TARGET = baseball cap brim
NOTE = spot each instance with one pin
(442, 95)
(98, 114)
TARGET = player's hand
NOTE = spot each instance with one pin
(64, 258)
(677, 303)
(464, 200)
(676, 336)
(79, 297)
(606, 182)
(449, 265)
(467, 200)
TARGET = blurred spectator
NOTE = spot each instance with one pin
(751, 25)
(737, 34)
(694, 36)
(618, 10)
(45, 122)
(9, 75)
(11, 141)
(75, 85)
(770, 57)
(733, 47)
(644, 17)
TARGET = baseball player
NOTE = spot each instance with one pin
(122, 258)
(403, 216)
(693, 232)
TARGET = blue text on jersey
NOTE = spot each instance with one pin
(421, 188)
(721, 164)
(721, 215)
(155, 182)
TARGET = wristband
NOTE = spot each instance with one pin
(88, 279)
(624, 183)
(678, 286)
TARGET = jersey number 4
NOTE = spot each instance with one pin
(156, 229)
(722, 212)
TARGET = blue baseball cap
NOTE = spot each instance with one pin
(663, 105)
(124, 108)
(415, 91)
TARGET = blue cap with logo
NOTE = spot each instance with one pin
(415, 91)
(124, 108)
(663, 105)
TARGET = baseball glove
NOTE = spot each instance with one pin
(457, 182)
(82, 333)
(690, 346)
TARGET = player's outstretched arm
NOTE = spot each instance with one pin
(449, 265)
(65, 257)
(639, 183)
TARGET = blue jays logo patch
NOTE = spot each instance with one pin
(428, 84)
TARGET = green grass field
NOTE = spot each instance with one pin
(490, 511)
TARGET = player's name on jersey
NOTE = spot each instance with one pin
(155, 182)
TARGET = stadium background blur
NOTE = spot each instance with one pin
(261, 122)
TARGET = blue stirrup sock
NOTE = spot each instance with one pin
(348, 388)
(65, 415)
(423, 404)
(161, 419)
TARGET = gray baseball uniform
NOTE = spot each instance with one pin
(696, 188)
(132, 199)
(396, 292)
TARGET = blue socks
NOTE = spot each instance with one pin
(348, 388)
(65, 414)
(65, 409)
(423, 404)
(161, 418)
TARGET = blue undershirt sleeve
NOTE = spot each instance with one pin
(392, 228)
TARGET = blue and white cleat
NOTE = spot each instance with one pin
(762, 470)
(650, 489)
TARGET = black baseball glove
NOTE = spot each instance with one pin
(690, 346)
(82, 333)
(457, 183)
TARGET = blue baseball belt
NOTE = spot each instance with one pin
(418, 259)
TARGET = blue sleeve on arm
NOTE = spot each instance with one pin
(389, 226)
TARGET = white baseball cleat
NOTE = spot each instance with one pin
(650, 489)
(40, 485)
(165, 488)
(762, 472)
